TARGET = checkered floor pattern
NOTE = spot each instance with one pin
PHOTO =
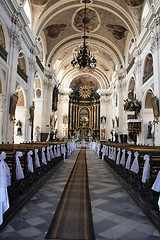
(115, 215)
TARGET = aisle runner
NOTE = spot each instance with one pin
(73, 217)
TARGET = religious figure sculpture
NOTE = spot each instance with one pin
(19, 128)
(149, 135)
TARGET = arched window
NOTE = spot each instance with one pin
(22, 62)
(148, 100)
(148, 67)
(21, 67)
(131, 89)
(2, 38)
(3, 52)
(37, 87)
(21, 99)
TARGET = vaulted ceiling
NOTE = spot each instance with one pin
(113, 26)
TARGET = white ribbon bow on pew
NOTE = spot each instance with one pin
(63, 150)
(37, 162)
(55, 151)
(5, 181)
(123, 158)
(156, 187)
(128, 162)
(114, 154)
(118, 156)
(146, 168)
(107, 151)
(58, 150)
(135, 164)
(19, 170)
(48, 154)
(30, 161)
(44, 160)
(103, 150)
(51, 152)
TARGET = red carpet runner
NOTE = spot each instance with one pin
(73, 218)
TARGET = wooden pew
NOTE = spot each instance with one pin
(135, 179)
(19, 186)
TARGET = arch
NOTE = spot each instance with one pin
(147, 67)
(22, 63)
(70, 74)
(109, 6)
(131, 88)
(2, 37)
(37, 87)
(148, 63)
(21, 97)
(20, 116)
(73, 42)
(148, 117)
(148, 99)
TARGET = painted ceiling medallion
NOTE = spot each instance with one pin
(134, 3)
(91, 17)
(85, 92)
(55, 29)
(117, 30)
(39, 2)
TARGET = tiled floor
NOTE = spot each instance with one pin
(115, 215)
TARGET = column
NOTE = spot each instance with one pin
(155, 49)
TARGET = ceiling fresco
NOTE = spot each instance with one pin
(83, 80)
(134, 3)
(39, 2)
(92, 18)
(54, 30)
(110, 26)
(117, 31)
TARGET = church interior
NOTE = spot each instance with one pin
(79, 119)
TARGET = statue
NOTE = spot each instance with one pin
(149, 135)
(132, 105)
(19, 128)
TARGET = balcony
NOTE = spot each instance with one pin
(22, 74)
(38, 61)
(147, 75)
(130, 65)
(3, 53)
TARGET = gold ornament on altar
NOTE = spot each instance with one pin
(85, 91)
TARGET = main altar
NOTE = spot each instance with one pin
(84, 114)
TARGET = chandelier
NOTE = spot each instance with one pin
(84, 57)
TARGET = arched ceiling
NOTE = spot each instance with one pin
(59, 24)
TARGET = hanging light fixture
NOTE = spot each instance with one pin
(84, 57)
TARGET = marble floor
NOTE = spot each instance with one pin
(115, 214)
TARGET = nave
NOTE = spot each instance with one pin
(115, 215)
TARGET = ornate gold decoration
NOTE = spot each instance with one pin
(85, 91)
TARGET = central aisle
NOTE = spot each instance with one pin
(115, 215)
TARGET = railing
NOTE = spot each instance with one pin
(147, 75)
(130, 65)
(21, 73)
(38, 61)
(3, 53)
